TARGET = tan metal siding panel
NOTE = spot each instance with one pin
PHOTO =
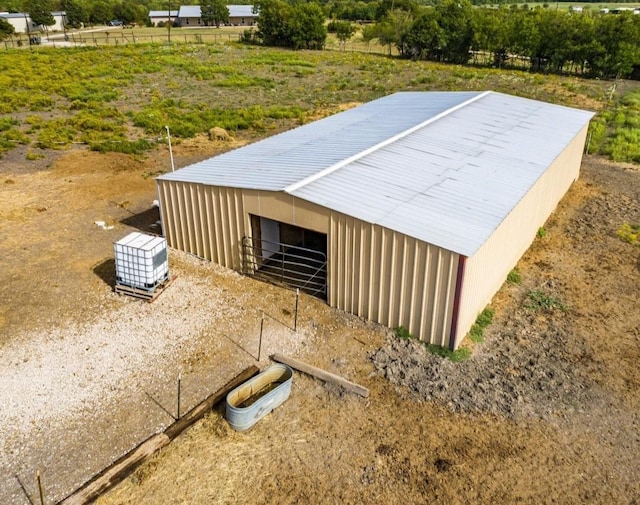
(486, 271)
(181, 214)
(390, 278)
(207, 221)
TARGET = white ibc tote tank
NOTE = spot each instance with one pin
(141, 261)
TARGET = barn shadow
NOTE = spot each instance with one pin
(145, 221)
(106, 270)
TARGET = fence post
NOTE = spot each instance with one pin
(40, 487)
(260, 339)
(179, 389)
(295, 320)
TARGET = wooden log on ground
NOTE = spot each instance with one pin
(206, 405)
(125, 465)
(321, 374)
(118, 471)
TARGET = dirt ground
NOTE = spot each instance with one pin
(547, 409)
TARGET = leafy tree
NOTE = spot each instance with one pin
(125, 12)
(307, 26)
(344, 31)
(76, 14)
(40, 12)
(100, 13)
(11, 6)
(273, 19)
(214, 12)
(6, 29)
(394, 28)
(298, 26)
(619, 38)
(385, 6)
(455, 21)
(491, 33)
(352, 10)
(425, 38)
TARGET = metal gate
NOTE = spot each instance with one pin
(291, 265)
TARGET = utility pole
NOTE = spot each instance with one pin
(169, 24)
(27, 22)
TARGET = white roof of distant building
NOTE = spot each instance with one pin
(189, 11)
(241, 11)
(160, 14)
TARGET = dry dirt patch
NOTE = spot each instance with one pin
(498, 429)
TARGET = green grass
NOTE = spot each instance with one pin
(593, 7)
(514, 277)
(541, 301)
(616, 131)
(630, 233)
(484, 319)
(108, 94)
(541, 233)
(459, 354)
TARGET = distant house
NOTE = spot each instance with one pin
(22, 23)
(190, 15)
(156, 17)
(239, 15)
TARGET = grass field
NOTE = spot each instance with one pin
(586, 6)
(120, 96)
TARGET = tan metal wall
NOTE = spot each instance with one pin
(375, 273)
(210, 221)
(487, 269)
(207, 221)
(390, 278)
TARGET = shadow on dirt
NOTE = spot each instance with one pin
(145, 221)
(106, 270)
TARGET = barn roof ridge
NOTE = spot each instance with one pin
(380, 145)
(442, 167)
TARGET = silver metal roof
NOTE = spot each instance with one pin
(163, 14)
(241, 11)
(189, 11)
(442, 167)
(235, 11)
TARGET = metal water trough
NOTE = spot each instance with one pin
(254, 399)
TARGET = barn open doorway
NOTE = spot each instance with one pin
(286, 254)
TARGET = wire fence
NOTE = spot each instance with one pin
(112, 38)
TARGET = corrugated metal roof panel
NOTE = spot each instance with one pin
(238, 11)
(279, 161)
(190, 11)
(445, 168)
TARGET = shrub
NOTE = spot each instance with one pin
(514, 277)
(455, 356)
(630, 233)
(32, 156)
(539, 301)
(484, 319)
(123, 146)
(541, 233)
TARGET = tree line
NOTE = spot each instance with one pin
(546, 40)
(454, 31)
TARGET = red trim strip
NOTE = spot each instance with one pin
(456, 302)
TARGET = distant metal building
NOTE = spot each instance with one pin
(22, 22)
(409, 210)
(156, 17)
(239, 15)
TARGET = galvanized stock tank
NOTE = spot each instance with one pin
(254, 399)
